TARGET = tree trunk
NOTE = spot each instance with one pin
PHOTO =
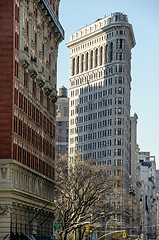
(65, 236)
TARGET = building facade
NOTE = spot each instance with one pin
(62, 122)
(100, 85)
(149, 197)
(30, 33)
(157, 194)
(134, 189)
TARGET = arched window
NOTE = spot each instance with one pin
(82, 62)
(101, 56)
(86, 66)
(96, 57)
(77, 66)
(73, 66)
(91, 60)
(111, 52)
(106, 53)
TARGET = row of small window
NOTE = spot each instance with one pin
(94, 116)
(102, 154)
(86, 31)
(97, 155)
(95, 135)
(118, 32)
(60, 131)
(99, 135)
(82, 46)
(92, 126)
(45, 123)
(25, 157)
(97, 125)
(97, 105)
(60, 147)
(63, 123)
(22, 101)
(96, 86)
(104, 143)
(97, 115)
(96, 57)
(111, 70)
(94, 95)
(60, 139)
(101, 94)
(33, 137)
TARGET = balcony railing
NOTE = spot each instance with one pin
(53, 16)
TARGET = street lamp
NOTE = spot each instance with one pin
(106, 226)
(108, 222)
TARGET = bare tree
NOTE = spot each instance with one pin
(84, 194)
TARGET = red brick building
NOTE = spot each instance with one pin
(30, 33)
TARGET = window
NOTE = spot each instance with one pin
(77, 67)
(106, 54)
(41, 96)
(73, 66)
(48, 103)
(111, 52)
(96, 58)
(120, 69)
(16, 41)
(59, 123)
(119, 121)
(119, 152)
(86, 68)
(16, 69)
(60, 131)
(120, 80)
(82, 63)
(119, 141)
(17, 13)
(101, 56)
(119, 100)
(119, 131)
(91, 60)
(119, 90)
(59, 147)
(15, 96)
(34, 88)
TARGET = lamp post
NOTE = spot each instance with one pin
(106, 226)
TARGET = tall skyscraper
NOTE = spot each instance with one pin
(30, 33)
(100, 85)
(62, 122)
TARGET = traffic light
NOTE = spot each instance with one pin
(124, 234)
(91, 230)
(87, 228)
